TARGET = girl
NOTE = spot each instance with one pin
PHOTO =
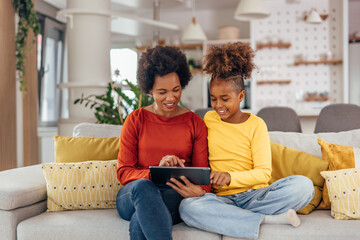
(240, 158)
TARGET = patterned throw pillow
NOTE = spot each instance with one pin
(85, 185)
(344, 192)
(339, 157)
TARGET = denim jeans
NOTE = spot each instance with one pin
(151, 209)
(240, 215)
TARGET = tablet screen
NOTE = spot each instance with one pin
(197, 175)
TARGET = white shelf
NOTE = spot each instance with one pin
(65, 14)
(88, 85)
(82, 85)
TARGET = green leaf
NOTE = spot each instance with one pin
(92, 105)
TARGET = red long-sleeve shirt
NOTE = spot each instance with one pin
(147, 137)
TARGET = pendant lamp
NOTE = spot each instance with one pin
(251, 10)
(193, 33)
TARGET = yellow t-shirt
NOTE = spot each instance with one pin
(243, 150)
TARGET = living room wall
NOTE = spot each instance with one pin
(7, 86)
(18, 118)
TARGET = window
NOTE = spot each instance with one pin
(123, 66)
(50, 51)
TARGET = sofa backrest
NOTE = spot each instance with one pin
(96, 130)
(307, 142)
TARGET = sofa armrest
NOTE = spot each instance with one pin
(21, 187)
(9, 220)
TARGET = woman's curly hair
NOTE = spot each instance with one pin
(230, 62)
(160, 61)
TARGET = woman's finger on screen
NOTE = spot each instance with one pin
(180, 162)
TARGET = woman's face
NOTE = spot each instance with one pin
(166, 93)
(225, 101)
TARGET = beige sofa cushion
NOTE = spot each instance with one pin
(91, 225)
(21, 187)
(10, 219)
(318, 225)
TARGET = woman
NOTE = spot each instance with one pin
(162, 134)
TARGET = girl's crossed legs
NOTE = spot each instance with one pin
(240, 215)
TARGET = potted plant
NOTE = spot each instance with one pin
(114, 106)
(27, 21)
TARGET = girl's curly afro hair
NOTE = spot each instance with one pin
(160, 61)
(230, 62)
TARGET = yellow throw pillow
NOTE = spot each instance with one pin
(344, 192)
(339, 157)
(86, 185)
(287, 162)
(81, 149)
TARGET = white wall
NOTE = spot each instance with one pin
(45, 8)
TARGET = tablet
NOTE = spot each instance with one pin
(197, 175)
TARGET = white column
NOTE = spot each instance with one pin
(88, 40)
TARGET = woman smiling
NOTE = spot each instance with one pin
(162, 134)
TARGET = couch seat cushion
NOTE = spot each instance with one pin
(317, 225)
(91, 225)
(21, 187)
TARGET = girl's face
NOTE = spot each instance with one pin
(225, 101)
(166, 93)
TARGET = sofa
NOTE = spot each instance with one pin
(23, 197)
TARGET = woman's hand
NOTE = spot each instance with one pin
(171, 160)
(186, 189)
(220, 178)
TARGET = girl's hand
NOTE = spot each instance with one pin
(171, 160)
(186, 189)
(220, 178)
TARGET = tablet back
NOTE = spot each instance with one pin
(197, 175)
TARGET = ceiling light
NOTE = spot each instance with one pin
(194, 32)
(251, 10)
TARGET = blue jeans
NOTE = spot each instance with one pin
(151, 209)
(240, 215)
